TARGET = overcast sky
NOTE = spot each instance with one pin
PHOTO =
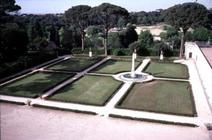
(59, 6)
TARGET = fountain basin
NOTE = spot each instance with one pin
(139, 77)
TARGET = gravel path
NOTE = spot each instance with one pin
(30, 123)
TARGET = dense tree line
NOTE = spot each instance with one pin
(147, 18)
(187, 15)
(87, 27)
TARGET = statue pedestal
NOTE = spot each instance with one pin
(161, 55)
(90, 53)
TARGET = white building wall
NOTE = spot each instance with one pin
(204, 69)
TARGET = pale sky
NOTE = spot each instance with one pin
(59, 6)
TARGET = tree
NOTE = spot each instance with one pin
(121, 22)
(135, 45)
(146, 38)
(202, 34)
(128, 36)
(93, 31)
(7, 6)
(146, 18)
(184, 16)
(70, 38)
(35, 29)
(140, 49)
(171, 36)
(13, 43)
(54, 35)
(78, 15)
(107, 15)
(114, 40)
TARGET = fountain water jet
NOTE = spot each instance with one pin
(133, 66)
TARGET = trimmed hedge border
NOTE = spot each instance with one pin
(64, 109)
(153, 121)
(168, 113)
(126, 58)
(75, 102)
(42, 92)
(166, 59)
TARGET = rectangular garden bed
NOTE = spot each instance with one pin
(92, 90)
(167, 70)
(34, 84)
(74, 64)
(160, 96)
(113, 66)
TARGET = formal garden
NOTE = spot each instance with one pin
(98, 86)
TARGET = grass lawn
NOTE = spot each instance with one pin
(94, 90)
(114, 66)
(33, 85)
(170, 70)
(74, 64)
(160, 96)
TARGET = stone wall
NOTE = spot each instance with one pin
(192, 51)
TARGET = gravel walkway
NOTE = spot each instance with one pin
(30, 123)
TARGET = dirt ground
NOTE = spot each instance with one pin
(155, 29)
(30, 123)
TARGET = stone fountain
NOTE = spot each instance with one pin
(133, 75)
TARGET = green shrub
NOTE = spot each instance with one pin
(95, 51)
(143, 51)
(76, 51)
(121, 52)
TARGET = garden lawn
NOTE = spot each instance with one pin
(33, 85)
(114, 66)
(160, 96)
(170, 70)
(93, 90)
(74, 64)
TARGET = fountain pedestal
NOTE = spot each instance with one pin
(133, 76)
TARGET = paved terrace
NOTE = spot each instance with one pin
(47, 124)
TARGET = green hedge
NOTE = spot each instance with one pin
(148, 52)
(121, 52)
(125, 52)
(95, 51)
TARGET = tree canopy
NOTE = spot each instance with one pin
(186, 15)
(107, 15)
(183, 16)
(8, 6)
(78, 15)
(146, 38)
